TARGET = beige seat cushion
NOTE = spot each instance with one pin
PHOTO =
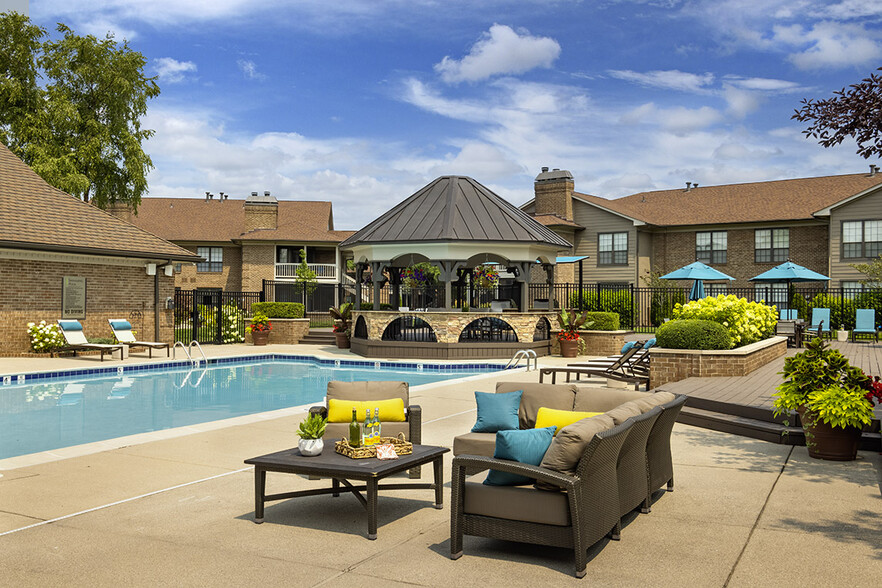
(519, 503)
(368, 391)
(557, 396)
(570, 442)
(622, 413)
(475, 444)
(597, 399)
(653, 400)
(336, 431)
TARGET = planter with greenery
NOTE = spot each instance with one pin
(693, 334)
(259, 328)
(311, 431)
(833, 398)
(571, 344)
(342, 316)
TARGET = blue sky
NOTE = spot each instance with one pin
(364, 102)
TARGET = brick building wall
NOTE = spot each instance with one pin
(808, 247)
(258, 264)
(31, 292)
(228, 279)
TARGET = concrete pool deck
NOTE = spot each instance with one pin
(178, 511)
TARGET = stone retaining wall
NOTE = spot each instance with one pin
(449, 325)
(600, 343)
(285, 331)
(673, 365)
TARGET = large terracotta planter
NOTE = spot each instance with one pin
(826, 442)
(569, 348)
(342, 340)
(260, 337)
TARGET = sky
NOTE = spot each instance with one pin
(363, 102)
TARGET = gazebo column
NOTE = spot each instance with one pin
(377, 279)
(523, 278)
(448, 276)
(549, 279)
(359, 278)
(395, 281)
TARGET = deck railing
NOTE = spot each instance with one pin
(323, 271)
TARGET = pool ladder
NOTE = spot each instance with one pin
(525, 354)
(187, 349)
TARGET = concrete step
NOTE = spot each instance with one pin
(319, 338)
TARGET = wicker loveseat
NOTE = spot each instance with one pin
(618, 470)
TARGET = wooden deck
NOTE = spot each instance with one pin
(743, 404)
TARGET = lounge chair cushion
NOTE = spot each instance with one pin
(622, 413)
(475, 444)
(657, 399)
(121, 325)
(497, 412)
(536, 395)
(527, 446)
(628, 345)
(368, 391)
(569, 444)
(596, 399)
(649, 344)
(549, 417)
(519, 503)
(70, 325)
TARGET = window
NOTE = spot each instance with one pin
(715, 289)
(288, 254)
(774, 294)
(771, 245)
(214, 259)
(612, 249)
(861, 238)
(710, 246)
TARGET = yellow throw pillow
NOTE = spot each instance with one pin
(549, 417)
(340, 411)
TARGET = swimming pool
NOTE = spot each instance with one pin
(41, 412)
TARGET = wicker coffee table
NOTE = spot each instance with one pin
(341, 469)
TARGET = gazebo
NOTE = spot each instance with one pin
(456, 224)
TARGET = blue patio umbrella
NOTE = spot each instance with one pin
(698, 272)
(789, 272)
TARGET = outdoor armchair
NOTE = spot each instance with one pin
(865, 323)
(821, 317)
(75, 339)
(658, 446)
(577, 518)
(122, 330)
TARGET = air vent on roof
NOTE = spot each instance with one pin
(873, 169)
(688, 186)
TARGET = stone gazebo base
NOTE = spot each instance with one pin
(413, 350)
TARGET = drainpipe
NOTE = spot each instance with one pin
(156, 308)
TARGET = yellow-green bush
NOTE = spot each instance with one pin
(746, 322)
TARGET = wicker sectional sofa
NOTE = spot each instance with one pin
(621, 457)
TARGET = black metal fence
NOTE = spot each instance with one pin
(212, 316)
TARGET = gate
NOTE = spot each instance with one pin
(213, 316)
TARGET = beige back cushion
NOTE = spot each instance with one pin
(557, 396)
(596, 399)
(622, 413)
(368, 391)
(570, 442)
(653, 400)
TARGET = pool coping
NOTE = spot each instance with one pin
(32, 459)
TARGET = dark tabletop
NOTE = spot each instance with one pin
(333, 462)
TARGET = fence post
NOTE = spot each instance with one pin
(634, 320)
(194, 314)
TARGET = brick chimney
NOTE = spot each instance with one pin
(261, 212)
(122, 211)
(554, 193)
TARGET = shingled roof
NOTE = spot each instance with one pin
(779, 200)
(198, 219)
(455, 208)
(34, 215)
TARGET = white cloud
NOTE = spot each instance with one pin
(667, 79)
(171, 70)
(829, 45)
(249, 69)
(763, 84)
(678, 120)
(741, 102)
(501, 50)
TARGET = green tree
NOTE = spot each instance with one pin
(81, 131)
(872, 270)
(305, 276)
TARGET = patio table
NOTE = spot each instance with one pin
(341, 469)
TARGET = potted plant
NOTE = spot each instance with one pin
(342, 316)
(260, 328)
(833, 400)
(311, 431)
(568, 337)
(842, 334)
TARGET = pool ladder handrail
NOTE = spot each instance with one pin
(199, 347)
(525, 354)
(187, 350)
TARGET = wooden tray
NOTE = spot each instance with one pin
(402, 447)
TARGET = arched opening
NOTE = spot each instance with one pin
(360, 331)
(409, 328)
(488, 329)
(543, 330)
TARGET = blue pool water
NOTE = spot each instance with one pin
(46, 412)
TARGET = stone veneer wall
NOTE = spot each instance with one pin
(285, 331)
(449, 325)
(601, 343)
(673, 365)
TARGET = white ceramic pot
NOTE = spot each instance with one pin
(842, 335)
(311, 447)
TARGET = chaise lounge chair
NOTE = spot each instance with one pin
(122, 330)
(865, 323)
(621, 370)
(75, 339)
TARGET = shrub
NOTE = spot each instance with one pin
(746, 322)
(232, 323)
(45, 337)
(603, 321)
(693, 334)
(370, 306)
(279, 309)
(617, 301)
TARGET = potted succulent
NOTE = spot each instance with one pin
(259, 328)
(342, 316)
(568, 337)
(311, 431)
(834, 400)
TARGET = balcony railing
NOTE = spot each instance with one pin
(323, 271)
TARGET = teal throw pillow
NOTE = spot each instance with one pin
(497, 412)
(121, 325)
(649, 344)
(628, 345)
(524, 446)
